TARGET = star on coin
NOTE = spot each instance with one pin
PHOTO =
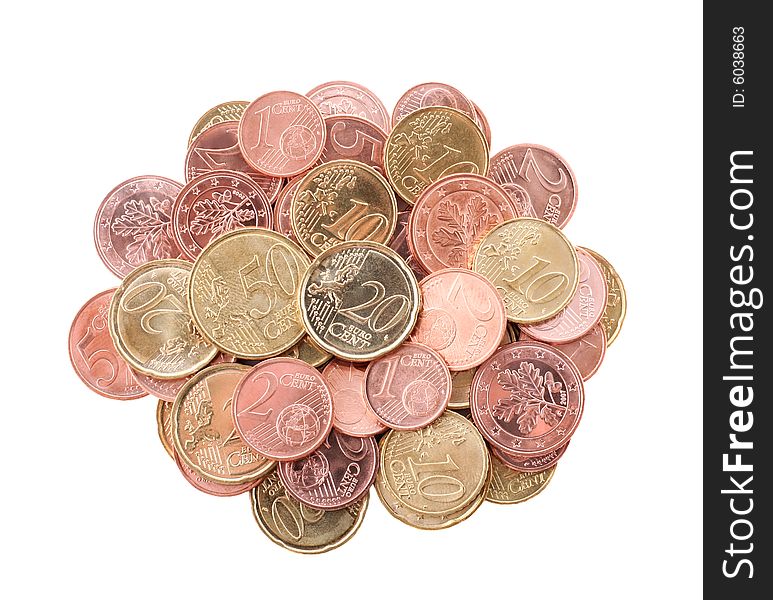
(560, 366)
(540, 354)
(572, 386)
(463, 185)
(442, 192)
(561, 431)
(486, 191)
(213, 181)
(540, 443)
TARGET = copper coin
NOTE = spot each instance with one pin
(213, 204)
(349, 98)
(587, 353)
(530, 463)
(399, 242)
(408, 388)
(584, 310)
(133, 223)
(93, 355)
(462, 317)
(431, 94)
(452, 216)
(167, 389)
(283, 408)
(336, 475)
(212, 487)
(351, 412)
(482, 122)
(538, 180)
(527, 398)
(281, 134)
(355, 139)
(283, 221)
(217, 149)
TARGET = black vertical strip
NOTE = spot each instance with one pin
(737, 552)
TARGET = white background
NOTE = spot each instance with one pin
(92, 507)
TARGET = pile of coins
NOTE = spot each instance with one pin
(335, 299)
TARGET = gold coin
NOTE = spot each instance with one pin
(228, 111)
(150, 324)
(309, 352)
(402, 512)
(204, 435)
(438, 469)
(429, 144)
(533, 266)
(164, 424)
(342, 201)
(244, 292)
(614, 311)
(508, 486)
(298, 527)
(359, 300)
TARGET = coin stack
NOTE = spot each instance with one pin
(337, 299)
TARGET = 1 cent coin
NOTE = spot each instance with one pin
(283, 409)
(351, 413)
(281, 134)
(408, 388)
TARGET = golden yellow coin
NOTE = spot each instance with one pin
(299, 528)
(614, 311)
(204, 435)
(150, 324)
(359, 300)
(342, 201)
(164, 424)
(508, 486)
(244, 292)
(533, 266)
(228, 111)
(429, 144)
(402, 512)
(437, 470)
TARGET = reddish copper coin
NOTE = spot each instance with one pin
(527, 398)
(431, 94)
(462, 317)
(93, 355)
(283, 408)
(133, 223)
(530, 463)
(587, 353)
(167, 389)
(283, 222)
(538, 180)
(351, 413)
(399, 242)
(451, 217)
(482, 122)
(213, 204)
(348, 98)
(217, 149)
(281, 134)
(408, 388)
(337, 474)
(212, 487)
(584, 310)
(354, 138)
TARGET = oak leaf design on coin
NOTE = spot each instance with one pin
(462, 226)
(219, 214)
(148, 224)
(527, 399)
